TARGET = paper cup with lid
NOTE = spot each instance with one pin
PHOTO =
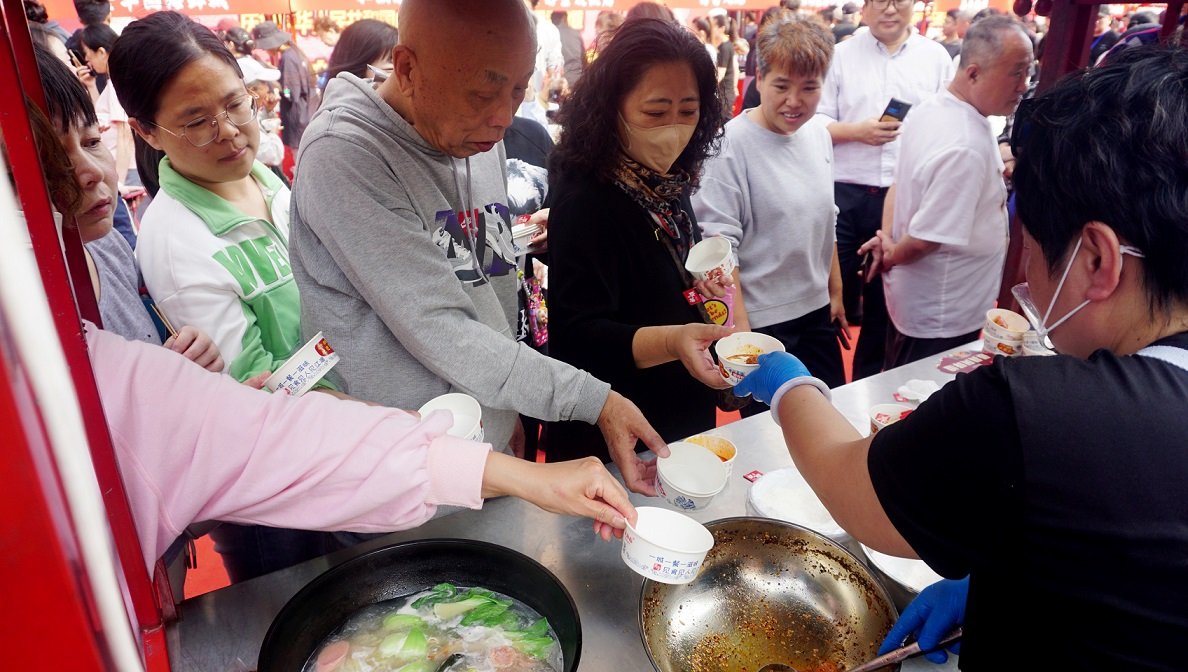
(665, 546)
(738, 354)
(690, 476)
(304, 369)
(468, 415)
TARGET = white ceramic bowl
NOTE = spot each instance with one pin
(690, 476)
(304, 369)
(783, 494)
(711, 258)
(1016, 325)
(722, 447)
(665, 546)
(468, 415)
(745, 343)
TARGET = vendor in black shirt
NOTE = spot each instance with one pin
(1055, 484)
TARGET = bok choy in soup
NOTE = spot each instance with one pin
(444, 629)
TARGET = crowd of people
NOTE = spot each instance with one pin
(424, 144)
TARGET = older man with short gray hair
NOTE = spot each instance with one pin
(943, 258)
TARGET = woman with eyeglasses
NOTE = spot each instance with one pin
(214, 242)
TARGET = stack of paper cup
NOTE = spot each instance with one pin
(1003, 333)
(711, 259)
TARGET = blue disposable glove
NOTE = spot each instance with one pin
(935, 612)
(775, 369)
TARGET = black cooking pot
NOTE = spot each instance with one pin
(328, 601)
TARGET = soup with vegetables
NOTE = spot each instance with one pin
(444, 629)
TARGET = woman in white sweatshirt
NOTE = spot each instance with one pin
(214, 243)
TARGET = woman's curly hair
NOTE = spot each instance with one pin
(589, 145)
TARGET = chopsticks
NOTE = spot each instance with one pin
(164, 320)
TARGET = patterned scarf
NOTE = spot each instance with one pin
(660, 195)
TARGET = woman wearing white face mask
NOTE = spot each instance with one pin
(635, 133)
(1054, 483)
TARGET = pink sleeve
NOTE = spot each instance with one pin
(195, 446)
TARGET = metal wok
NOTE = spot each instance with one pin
(328, 601)
(769, 592)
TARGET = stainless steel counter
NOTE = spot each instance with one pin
(222, 631)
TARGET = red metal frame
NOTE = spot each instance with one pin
(41, 579)
(18, 66)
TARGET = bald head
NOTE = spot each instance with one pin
(454, 24)
(461, 69)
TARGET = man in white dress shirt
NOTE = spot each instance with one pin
(943, 260)
(868, 70)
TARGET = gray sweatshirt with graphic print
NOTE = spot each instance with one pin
(417, 298)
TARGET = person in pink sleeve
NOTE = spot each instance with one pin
(314, 462)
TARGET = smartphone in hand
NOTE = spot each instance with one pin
(896, 110)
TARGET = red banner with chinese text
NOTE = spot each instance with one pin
(63, 10)
(348, 7)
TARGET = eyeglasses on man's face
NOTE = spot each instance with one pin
(882, 5)
(205, 130)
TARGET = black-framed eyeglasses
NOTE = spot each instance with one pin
(204, 130)
(882, 5)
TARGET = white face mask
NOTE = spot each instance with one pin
(1022, 294)
(657, 148)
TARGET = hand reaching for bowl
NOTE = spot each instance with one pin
(576, 487)
(690, 344)
(623, 425)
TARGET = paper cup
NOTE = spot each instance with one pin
(882, 415)
(1034, 347)
(748, 344)
(723, 448)
(522, 234)
(305, 368)
(665, 546)
(690, 476)
(468, 415)
(995, 346)
(1005, 326)
(711, 259)
(915, 391)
